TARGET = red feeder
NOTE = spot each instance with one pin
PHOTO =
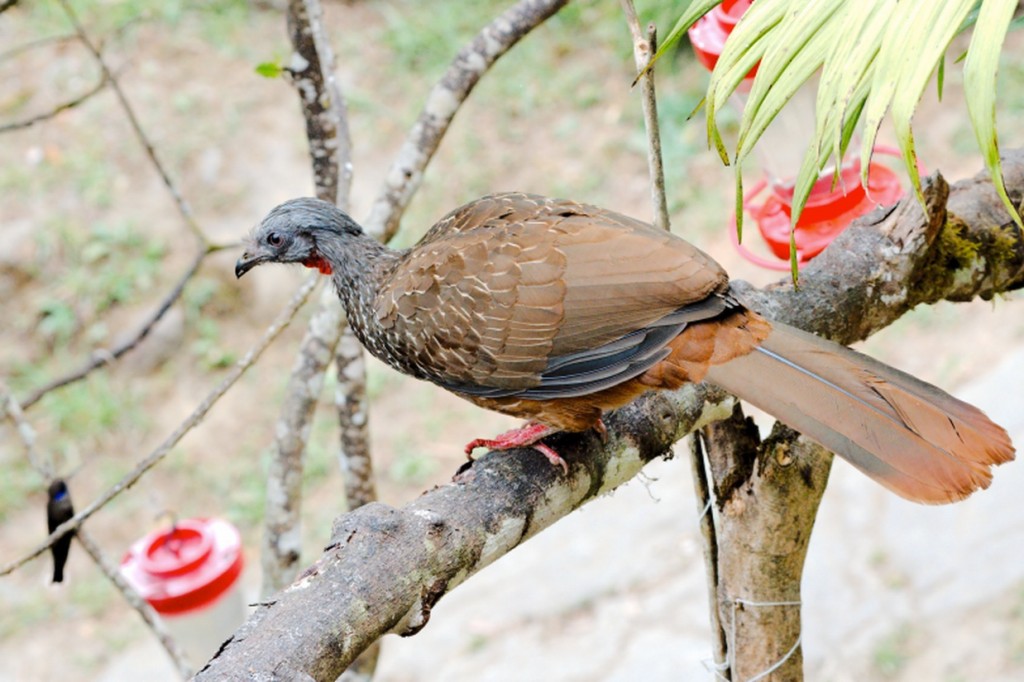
(827, 212)
(825, 215)
(189, 575)
(708, 34)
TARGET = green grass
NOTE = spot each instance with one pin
(892, 653)
(19, 482)
(82, 416)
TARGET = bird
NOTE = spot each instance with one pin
(59, 510)
(557, 312)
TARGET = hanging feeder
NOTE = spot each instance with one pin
(831, 206)
(189, 573)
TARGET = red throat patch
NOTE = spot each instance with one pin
(319, 262)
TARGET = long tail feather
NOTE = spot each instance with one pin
(913, 438)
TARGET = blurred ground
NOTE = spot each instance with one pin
(615, 592)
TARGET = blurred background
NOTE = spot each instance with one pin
(90, 242)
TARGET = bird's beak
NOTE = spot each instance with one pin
(246, 263)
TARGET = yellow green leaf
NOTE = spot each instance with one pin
(980, 70)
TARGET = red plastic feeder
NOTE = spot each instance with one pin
(187, 567)
(708, 34)
(826, 213)
(189, 574)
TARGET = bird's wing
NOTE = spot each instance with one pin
(519, 293)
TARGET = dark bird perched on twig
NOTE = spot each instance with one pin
(59, 510)
(558, 312)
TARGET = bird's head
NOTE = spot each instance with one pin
(295, 232)
(58, 490)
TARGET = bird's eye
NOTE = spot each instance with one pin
(274, 239)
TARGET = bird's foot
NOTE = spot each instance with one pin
(526, 436)
(602, 430)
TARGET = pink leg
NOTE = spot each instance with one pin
(524, 436)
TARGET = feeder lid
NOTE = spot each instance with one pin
(827, 213)
(186, 567)
(709, 33)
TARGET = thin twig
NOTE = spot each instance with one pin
(103, 357)
(46, 470)
(62, 107)
(37, 43)
(25, 432)
(643, 49)
(271, 333)
(179, 200)
(140, 605)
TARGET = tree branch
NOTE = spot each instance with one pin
(643, 49)
(60, 108)
(350, 402)
(323, 107)
(386, 568)
(148, 462)
(183, 208)
(102, 356)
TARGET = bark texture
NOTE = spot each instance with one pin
(312, 74)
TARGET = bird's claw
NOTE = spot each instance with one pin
(526, 436)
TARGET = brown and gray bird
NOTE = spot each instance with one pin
(59, 510)
(557, 312)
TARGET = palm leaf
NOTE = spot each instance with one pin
(980, 86)
(876, 57)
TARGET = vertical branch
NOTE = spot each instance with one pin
(312, 74)
(643, 49)
(350, 402)
(354, 458)
(323, 108)
(768, 496)
(282, 541)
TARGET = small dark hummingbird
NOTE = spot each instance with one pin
(59, 510)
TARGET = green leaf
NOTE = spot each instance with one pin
(876, 57)
(913, 80)
(695, 10)
(270, 69)
(901, 42)
(796, 51)
(980, 70)
(743, 50)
